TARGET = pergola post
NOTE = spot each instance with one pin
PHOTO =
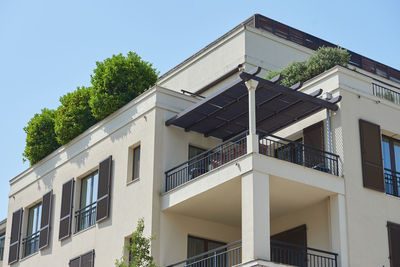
(252, 137)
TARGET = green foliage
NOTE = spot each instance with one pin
(74, 116)
(115, 82)
(139, 250)
(118, 80)
(40, 136)
(324, 59)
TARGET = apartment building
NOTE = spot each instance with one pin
(227, 168)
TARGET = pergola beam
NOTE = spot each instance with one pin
(284, 90)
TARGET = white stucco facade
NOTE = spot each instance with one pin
(250, 198)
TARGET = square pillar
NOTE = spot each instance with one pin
(337, 207)
(255, 217)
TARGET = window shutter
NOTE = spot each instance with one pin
(371, 156)
(314, 137)
(103, 191)
(87, 260)
(45, 220)
(75, 262)
(394, 244)
(66, 209)
(15, 239)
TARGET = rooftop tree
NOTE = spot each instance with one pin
(74, 115)
(40, 136)
(118, 80)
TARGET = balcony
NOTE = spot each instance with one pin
(386, 93)
(85, 217)
(281, 252)
(234, 148)
(30, 244)
(392, 182)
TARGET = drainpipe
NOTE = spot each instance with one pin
(328, 96)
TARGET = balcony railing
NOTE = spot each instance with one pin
(281, 252)
(295, 255)
(206, 161)
(299, 153)
(386, 93)
(235, 147)
(392, 182)
(30, 244)
(85, 217)
(227, 256)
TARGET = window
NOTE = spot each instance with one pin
(2, 238)
(194, 151)
(136, 163)
(391, 164)
(198, 245)
(31, 241)
(196, 167)
(86, 215)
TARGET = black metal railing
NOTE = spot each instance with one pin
(30, 244)
(291, 254)
(392, 182)
(85, 217)
(227, 256)
(298, 153)
(281, 252)
(386, 93)
(206, 161)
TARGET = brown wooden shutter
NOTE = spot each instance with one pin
(314, 137)
(84, 260)
(15, 239)
(371, 156)
(103, 191)
(394, 244)
(66, 209)
(87, 260)
(75, 262)
(45, 220)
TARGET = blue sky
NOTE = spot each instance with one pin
(48, 48)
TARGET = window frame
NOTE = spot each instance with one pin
(32, 234)
(136, 167)
(91, 206)
(206, 244)
(195, 147)
(393, 168)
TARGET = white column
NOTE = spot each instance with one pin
(252, 138)
(339, 228)
(255, 217)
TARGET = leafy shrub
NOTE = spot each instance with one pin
(115, 82)
(324, 59)
(139, 250)
(118, 80)
(74, 115)
(40, 136)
